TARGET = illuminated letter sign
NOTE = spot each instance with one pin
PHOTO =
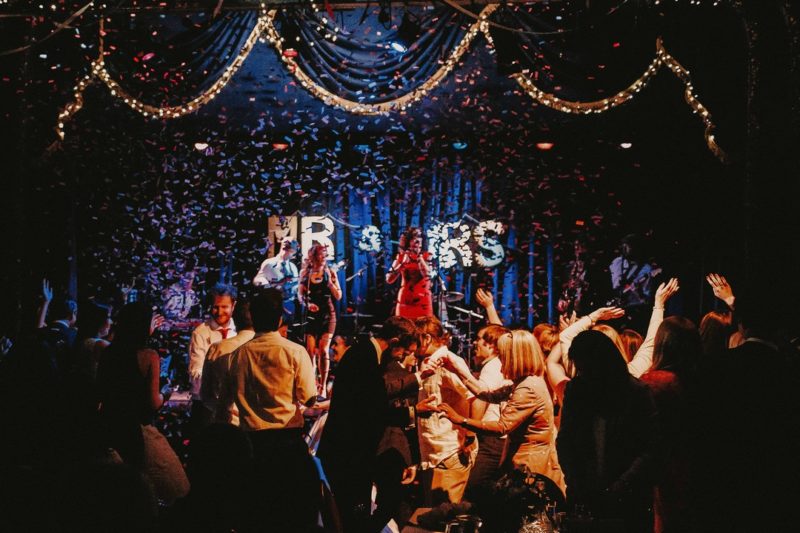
(317, 229)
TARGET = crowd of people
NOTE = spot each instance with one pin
(682, 429)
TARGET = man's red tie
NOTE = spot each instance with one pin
(224, 332)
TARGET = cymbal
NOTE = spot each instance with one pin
(357, 315)
(453, 296)
(465, 311)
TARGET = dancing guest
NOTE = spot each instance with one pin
(281, 273)
(447, 450)
(217, 366)
(609, 436)
(270, 379)
(220, 326)
(414, 298)
(94, 326)
(319, 287)
(527, 416)
(128, 381)
(359, 415)
(490, 447)
(560, 368)
(676, 354)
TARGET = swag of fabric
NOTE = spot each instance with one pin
(598, 56)
(366, 71)
(188, 54)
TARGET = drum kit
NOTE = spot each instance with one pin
(460, 341)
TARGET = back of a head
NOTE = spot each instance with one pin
(400, 328)
(430, 325)
(715, 330)
(631, 341)
(63, 309)
(546, 335)
(266, 309)
(612, 334)
(241, 316)
(677, 346)
(492, 333)
(92, 319)
(132, 328)
(520, 355)
(596, 358)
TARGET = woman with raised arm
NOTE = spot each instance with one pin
(319, 287)
(414, 298)
(527, 416)
(559, 366)
(678, 350)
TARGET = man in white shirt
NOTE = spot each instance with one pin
(281, 273)
(220, 326)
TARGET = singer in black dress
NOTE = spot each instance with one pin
(319, 287)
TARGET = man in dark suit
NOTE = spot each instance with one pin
(359, 414)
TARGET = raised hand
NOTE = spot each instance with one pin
(47, 291)
(665, 292)
(606, 313)
(722, 289)
(565, 321)
(484, 298)
(156, 322)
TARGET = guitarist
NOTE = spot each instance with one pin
(633, 279)
(281, 273)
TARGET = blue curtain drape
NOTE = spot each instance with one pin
(442, 196)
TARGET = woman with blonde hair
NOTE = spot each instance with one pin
(319, 287)
(547, 337)
(527, 417)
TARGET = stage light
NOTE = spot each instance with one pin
(280, 146)
(544, 146)
(399, 47)
(458, 145)
(200, 146)
(625, 146)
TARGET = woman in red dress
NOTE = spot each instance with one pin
(411, 264)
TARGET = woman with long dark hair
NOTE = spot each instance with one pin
(608, 437)
(319, 287)
(128, 382)
(677, 351)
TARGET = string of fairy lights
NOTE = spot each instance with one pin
(265, 29)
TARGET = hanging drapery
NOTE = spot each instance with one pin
(358, 76)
